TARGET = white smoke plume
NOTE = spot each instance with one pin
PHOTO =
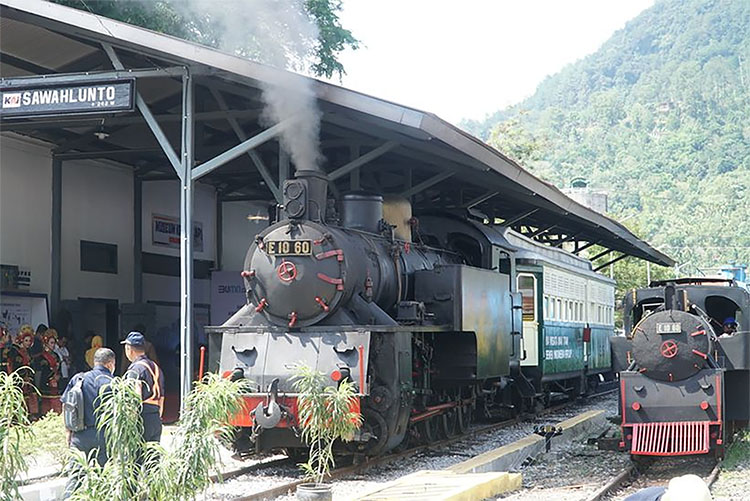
(278, 33)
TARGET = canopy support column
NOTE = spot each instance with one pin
(186, 241)
(56, 234)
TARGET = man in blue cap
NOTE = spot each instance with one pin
(150, 383)
(729, 328)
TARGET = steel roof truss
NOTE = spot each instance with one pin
(601, 254)
(427, 184)
(362, 160)
(242, 136)
(147, 115)
(612, 261)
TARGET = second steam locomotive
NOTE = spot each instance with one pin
(686, 387)
(436, 319)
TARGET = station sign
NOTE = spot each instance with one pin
(106, 96)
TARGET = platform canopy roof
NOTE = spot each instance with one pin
(368, 143)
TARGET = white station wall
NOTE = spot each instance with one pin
(241, 221)
(97, 205)
(26, 208)
(163, 198)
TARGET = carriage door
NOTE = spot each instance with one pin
(527, 287)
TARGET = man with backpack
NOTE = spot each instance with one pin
(80, 401)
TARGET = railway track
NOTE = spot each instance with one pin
(341, 472)
(656, 472)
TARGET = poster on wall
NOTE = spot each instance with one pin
(19, 308)
(165, 232)
(227, 295)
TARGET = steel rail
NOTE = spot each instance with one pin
(289, 487)
(631, 471)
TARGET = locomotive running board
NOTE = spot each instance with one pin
(678, 438)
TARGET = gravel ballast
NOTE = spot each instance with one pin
(376, 476)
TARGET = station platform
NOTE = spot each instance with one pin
(437, 485)
(486, 475)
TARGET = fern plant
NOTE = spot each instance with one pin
(325, 415)
(15, 428)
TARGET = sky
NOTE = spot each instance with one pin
(469, 58)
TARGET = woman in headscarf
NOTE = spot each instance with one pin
(96, 343)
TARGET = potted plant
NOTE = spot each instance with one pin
(325, 415)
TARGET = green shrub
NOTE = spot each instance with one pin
(15, 429)
(148, 471)
(48, 436)
(325, 415)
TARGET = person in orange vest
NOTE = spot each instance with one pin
(150, 382)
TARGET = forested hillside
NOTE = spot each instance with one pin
(660, 117)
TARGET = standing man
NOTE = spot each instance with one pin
(94, 384)
(150, 382)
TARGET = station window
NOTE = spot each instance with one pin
(527, 288)
(99, 257)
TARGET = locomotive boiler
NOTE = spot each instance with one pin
(686, 387)
(419, 325)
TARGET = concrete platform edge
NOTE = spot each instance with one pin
(510, 457)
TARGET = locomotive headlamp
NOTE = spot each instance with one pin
(341, 374)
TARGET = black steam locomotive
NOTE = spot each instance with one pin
(423, 315)
(687, 384)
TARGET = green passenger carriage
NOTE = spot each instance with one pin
(568, 319)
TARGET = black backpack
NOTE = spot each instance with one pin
(72, 403)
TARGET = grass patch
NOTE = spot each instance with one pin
(48, 437)
(739, 452)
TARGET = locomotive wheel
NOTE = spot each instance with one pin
(464, 415)
(449, 423)
(297, 455)
(428, 429)
(374, 424)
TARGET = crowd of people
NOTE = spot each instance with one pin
(43, 361)
(49, 373)
(46, 363)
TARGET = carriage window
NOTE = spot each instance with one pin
(553, 309)
(559, 309)
(527, 288)
(546, 306)
(570, 310)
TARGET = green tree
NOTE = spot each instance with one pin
(658, 117)
(216, 24)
